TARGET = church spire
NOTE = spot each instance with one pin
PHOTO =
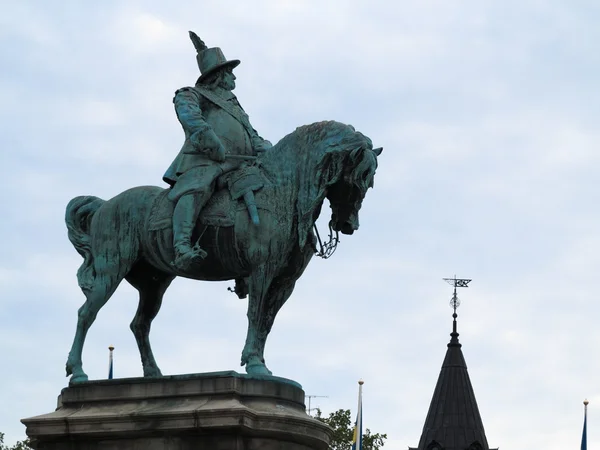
(453, 421)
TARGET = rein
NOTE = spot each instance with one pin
(328, 248)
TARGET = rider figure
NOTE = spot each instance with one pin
(215, 126)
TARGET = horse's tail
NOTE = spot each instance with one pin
(78, 218)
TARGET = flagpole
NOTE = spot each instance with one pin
(358, 437)
(360, 428)
(110, 362)
(584, 434)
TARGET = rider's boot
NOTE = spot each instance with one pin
(184, 220)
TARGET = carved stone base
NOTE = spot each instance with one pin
(214, 411)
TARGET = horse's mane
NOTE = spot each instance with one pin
(316, 156)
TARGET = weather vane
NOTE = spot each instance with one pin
(456, 282)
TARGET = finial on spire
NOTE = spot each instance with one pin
(585, 402)
(455, 303)
(456, 282)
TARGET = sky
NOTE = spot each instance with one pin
(488, 115)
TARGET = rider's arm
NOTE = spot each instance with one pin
(202, 136)
(187, 107)
(259, 144)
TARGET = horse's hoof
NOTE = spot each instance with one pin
(79, 378)
(257, 369)
(152, 372)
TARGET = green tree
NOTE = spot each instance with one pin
(21, 445)
(343, 431)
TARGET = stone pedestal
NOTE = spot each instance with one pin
(215, 411)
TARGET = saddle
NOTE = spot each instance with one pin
(221, 208)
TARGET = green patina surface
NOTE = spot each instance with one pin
(237, 208)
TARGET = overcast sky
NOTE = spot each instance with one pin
(488, 115)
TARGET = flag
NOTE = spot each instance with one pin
(110, 362)
(584, 434)
(357, 437)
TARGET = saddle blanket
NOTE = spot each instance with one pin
(219, 211)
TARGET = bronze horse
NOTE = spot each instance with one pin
(129, 237)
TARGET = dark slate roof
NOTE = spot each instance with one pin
(453, 420)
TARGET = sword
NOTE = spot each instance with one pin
(248, 196)
(248, 157)
(206, 152)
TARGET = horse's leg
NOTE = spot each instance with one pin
(259, 283)
(106, 281)
(280, 290)
(151, 285)
(278, 294)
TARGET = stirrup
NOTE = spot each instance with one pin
(199, 251)
(184, 259)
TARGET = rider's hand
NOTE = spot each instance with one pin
(263, 147)
(218, 154)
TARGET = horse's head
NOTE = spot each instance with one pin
(333, 161)
(357, 171)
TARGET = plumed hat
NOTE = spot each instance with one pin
(210, 59)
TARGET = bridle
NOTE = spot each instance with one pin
(325, 250)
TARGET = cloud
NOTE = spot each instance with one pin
(487, 114)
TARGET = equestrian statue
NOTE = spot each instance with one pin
(238, 208)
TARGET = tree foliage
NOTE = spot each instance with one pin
(21, 445)
(343, 430)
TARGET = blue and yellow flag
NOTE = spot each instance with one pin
(584, 434)
(357, 438)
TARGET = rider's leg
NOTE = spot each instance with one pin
(193, 189)
(184, 220)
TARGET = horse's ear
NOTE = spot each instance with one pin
(378, 150)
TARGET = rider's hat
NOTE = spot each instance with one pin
(209, 59)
